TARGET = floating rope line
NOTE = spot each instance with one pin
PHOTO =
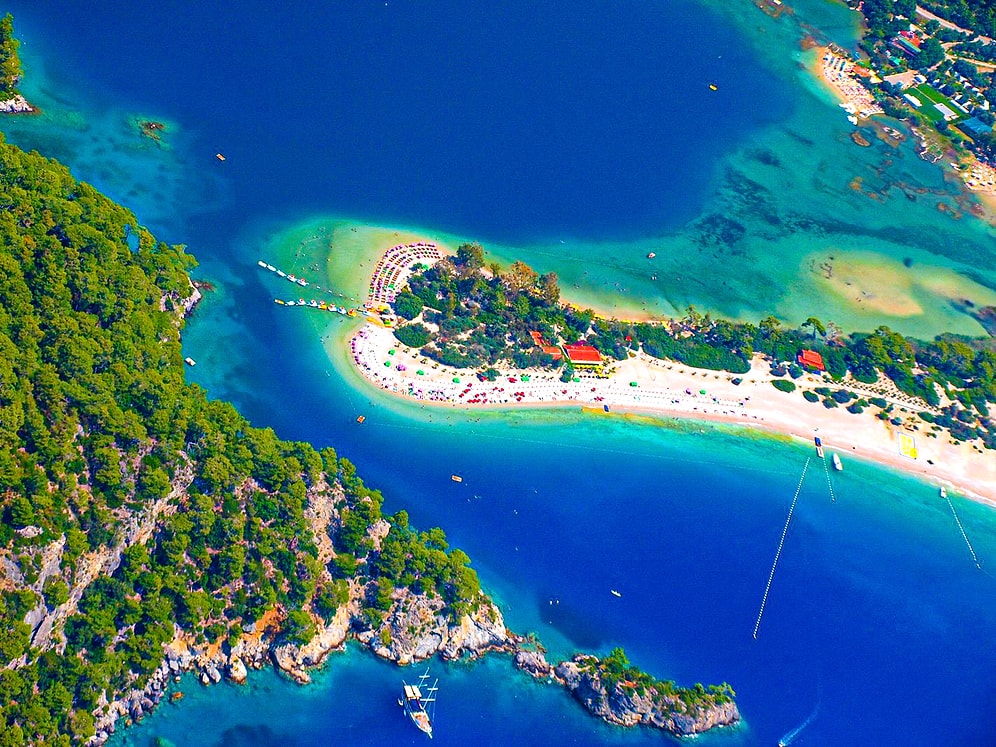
(778, 552)
(826, 470)
(962, 530)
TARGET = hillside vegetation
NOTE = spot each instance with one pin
(134, 510)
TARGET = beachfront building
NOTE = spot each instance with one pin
(552, 350)
(811, 359)
(583, 356)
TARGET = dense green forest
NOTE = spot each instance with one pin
(976, 15)
(465, 314)
(10, 63)
(109, 460)
(887, 17)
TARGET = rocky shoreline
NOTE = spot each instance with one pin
(476, 634)
(17, 105)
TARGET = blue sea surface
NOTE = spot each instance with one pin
(525, 123)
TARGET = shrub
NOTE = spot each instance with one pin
(407, 305)
(811, 396)
(783, 386)
(879, 402)
(412, 335)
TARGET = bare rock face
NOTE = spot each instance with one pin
(417, 629)
(237, 672)
(16, 105)
(533, 663)
(483, 630)
(286, 659)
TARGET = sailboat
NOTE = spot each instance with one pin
(420, 707)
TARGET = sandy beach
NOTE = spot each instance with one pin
(645, 384)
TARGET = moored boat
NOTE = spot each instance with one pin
(819, 447)
(836, 463)
(420, 706)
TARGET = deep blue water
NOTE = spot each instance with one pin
(511, 121)
(519, 122)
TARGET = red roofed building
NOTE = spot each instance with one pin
(582, 356)
(552, 350)
(812, 359)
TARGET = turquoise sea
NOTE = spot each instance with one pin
(578, 137)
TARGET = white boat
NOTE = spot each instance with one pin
(190, 361)
(420, 706)
(836, 463)
(456, 478)
(271, 268)
(281, 273)
(944, 492)
(261, 263)
(615, 593)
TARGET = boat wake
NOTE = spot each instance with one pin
(790, 737)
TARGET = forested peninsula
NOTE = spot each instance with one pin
(146, 530)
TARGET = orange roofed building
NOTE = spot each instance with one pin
(812, 359)
(583, 356)
(552, 350)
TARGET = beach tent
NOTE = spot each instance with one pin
(633, 383)
(387, 364)
(456, 379)
(702, 391)
(390, 352)
(420, 372)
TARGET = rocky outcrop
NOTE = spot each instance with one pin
(627, 703)
(16, 105)
(416, 628)
(533, 663)
(237, 671)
